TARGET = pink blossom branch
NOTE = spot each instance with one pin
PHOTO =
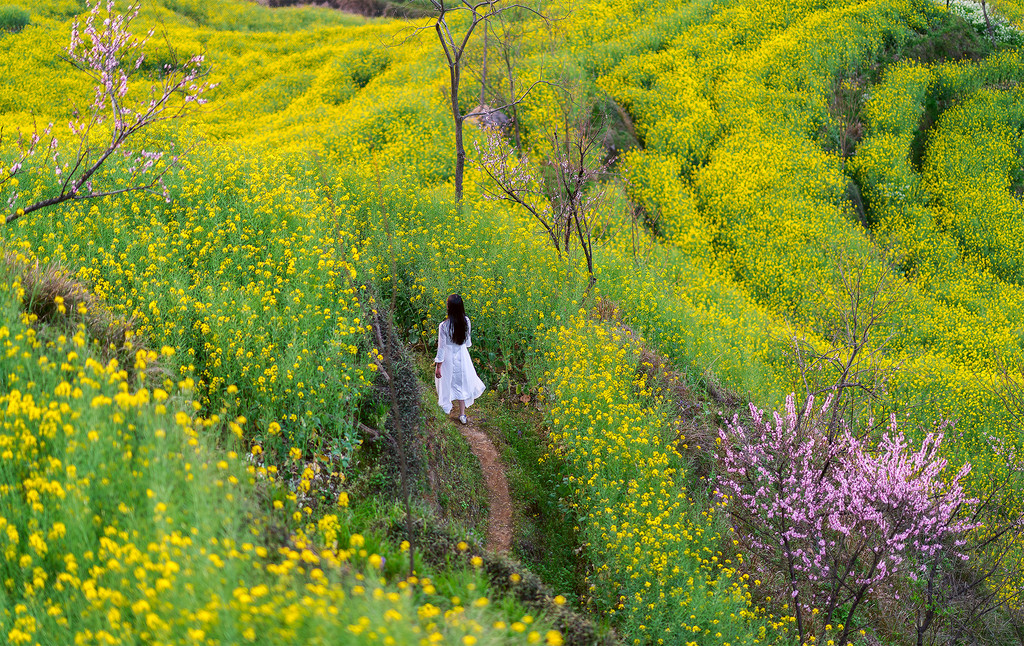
(515, 182)
(105, 49)
(566, 211)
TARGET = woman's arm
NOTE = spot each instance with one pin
(439, 357)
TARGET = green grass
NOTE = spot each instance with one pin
(543, 538)
(454, 486)
(13, 18)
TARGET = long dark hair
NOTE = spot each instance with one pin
(458, 324)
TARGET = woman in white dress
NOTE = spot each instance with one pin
(454, 376)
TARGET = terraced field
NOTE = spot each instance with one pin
(782, 198)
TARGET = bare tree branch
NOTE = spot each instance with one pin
(104, 48)
(572, 195)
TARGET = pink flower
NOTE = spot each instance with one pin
(842, 516)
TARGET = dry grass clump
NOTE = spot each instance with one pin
(62, 303)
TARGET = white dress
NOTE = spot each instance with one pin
(458, 378)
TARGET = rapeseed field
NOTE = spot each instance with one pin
(778, 154)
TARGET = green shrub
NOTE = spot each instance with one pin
(13, 19)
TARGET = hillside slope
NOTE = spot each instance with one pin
(776, 175)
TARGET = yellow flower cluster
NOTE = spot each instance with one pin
(738, 182)
(1012, 10)
(950, 225)
(120, 522)
(252, 275)
(663, 565)
(735, 178)
(251, 278)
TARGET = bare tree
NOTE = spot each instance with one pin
(105, 49)
(853, 369)
(483, 69)
(988, 21)
(507, 35)
(564, 207)
(455, 45)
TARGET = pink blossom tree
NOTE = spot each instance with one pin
(839, 517)
(565, 206)
(104, 47)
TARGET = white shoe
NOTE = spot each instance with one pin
(462, 418)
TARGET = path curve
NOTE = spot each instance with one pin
(499, 520)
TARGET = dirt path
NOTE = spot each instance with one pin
(499, 521)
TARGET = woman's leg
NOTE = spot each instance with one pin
(462, 407)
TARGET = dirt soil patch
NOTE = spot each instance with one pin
(369, 8)
(499, 520)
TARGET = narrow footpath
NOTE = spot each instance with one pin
(499, 520)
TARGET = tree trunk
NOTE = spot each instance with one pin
(483, 73)
(457, 118)
(460, 159)
(515, 106)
